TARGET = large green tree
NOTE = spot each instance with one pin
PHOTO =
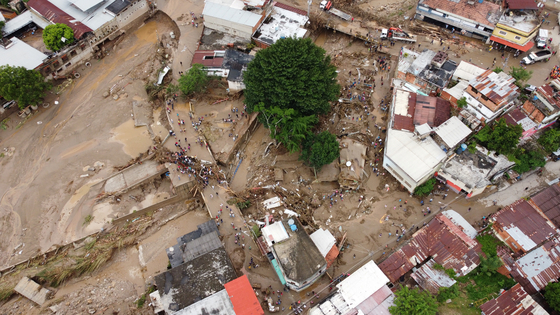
(527, 160)
(552, 295)
(520, 75)
(413, 302)
(292, 73)
(27, 87)
(194, 80)
(320, 149)
(550, 140)
(56, 36)
(500, 137)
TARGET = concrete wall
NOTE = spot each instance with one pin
(403, 178)
(229, 27)
(136, 10)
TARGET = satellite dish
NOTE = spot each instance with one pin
(348, 163)
(291, 222)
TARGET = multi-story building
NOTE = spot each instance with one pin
(518, 25)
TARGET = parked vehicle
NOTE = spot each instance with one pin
(542, 38)
(328, 7)
(535, 56)
(395, 33)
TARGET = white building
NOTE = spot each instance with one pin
(364, 292)
(20, 54)
(229, 16)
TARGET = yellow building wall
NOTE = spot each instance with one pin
(512, 36)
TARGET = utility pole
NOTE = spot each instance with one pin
(309, 2)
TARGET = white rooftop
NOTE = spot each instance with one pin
(458, 220)
(85, 5)
(401, 103)
(423, 129)
(20, 54)
(22, 20)
(324, 241)
(274, 232)
(523, 240)
(362, 284)
(93, 20)
(534, 263)
(452, 131)
(414, 156)
(230, 13)
(458, 89)
(467, 71)
(284, 23)
(217, 303)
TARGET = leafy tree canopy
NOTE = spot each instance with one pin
(320, 149)
(286, 125)
(550, 140)
(552, 295)
(53, 34)
(498, 70)
(24, 86)
(500, 137)
(194, 80)
(426, 188)
(462, 102)
(520, 75)
(527, 160)
(413, 302)
(292, 73)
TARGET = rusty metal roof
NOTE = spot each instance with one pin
(401, 122)
(524, 224)
(513, 301)
(431, 110)
(548, 202)
(431, 279)
(500, 87)
(441, 241)
(56, 15)
(537, 268)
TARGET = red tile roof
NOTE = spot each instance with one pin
(522, 4)
(548, 202)
(332, 255)
(512, 301)
(56, 15)
(243, 297)
(439, 240)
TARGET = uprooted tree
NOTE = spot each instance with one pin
(289, 84)
(26, 87)
(56, 36)
(321, 149)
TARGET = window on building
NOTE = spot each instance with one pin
(517, 37)
(502, 33)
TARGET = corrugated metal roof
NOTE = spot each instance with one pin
(416, 157)
(20, 54)
(230, 14)
(513, 301)
(85, 5)
(56, 15)
(548, 202)
(500, 87)
(453, 131)
(362, 283)
(522, 4)
(243, 297)
(431, 110)
(23, 20)
(94, 19)
(430, 279)
(438, 240)
(524, 224)
(209, 58)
